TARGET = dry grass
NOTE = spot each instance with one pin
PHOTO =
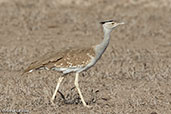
(132, 77)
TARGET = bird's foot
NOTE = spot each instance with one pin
(52, 102)
(88, 106)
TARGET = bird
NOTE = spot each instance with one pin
(75, 60)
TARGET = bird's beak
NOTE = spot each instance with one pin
(122, 23)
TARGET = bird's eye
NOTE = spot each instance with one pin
(112, 23)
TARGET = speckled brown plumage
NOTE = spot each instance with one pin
(64, 59)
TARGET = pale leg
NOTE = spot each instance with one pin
(57, 87)
(81, 96)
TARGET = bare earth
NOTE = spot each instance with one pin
(132, 77)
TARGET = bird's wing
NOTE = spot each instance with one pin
(69, 57)
(45, 61)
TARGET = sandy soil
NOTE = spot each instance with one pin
(132, 77)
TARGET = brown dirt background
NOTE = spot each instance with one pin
(132, 77)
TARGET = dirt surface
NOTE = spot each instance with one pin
(132, 77)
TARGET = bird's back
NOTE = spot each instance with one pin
(70, 59)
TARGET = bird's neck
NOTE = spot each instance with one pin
(100, 48)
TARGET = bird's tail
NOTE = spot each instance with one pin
(27, 70)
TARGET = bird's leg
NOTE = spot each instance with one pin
(79, 91)
(57, 87)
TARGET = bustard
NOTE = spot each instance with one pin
(75, 60)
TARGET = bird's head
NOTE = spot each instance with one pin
(110, 24)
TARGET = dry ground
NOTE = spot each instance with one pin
(132, 77)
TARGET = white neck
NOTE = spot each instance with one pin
(100, 48)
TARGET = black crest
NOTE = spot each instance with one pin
(103, 22)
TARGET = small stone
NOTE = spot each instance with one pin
(154, 113)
